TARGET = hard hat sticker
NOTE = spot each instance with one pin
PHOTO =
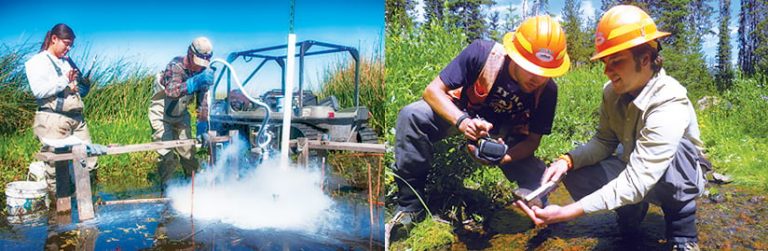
(599, 38)
(545, 55)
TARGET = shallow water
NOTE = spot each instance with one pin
(158, 226)
(736, 223)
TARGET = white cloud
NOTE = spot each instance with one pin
(587, 10)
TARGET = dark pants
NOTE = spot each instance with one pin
(675, 192)
(418, 129)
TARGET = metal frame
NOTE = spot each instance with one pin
(305, 49)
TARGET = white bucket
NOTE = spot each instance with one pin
(25, 197)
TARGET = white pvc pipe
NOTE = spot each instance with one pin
(287, 101)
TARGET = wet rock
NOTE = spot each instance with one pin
(707, 102)
(756, 199)
(721, 178)
(717, 198)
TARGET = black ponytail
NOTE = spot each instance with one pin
(62, 31)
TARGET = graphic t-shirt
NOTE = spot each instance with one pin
(511, 111)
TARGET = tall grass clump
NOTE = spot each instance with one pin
(415, 56)
(17, 108)
(16, 104)
(339, 81)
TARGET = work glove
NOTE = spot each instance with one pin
(201, 81)
(202, 129)
(95, 149)
(490, 150)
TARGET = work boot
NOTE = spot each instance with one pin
(688, 246)
(189, 165)
(166, 164)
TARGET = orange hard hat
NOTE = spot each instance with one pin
(623, 27)
(538, 46)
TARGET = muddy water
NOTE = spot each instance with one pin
(739, 222)
(158, 226)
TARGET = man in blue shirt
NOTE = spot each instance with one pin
(489, 90)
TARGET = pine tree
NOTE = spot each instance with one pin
(761, 40)
(724, 72)
(433, 10)
(753, 37)
(466, 14)
(578, 40)
(494, 31)
(397, 12)
(512, 19)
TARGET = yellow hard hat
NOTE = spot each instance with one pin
(539, 46)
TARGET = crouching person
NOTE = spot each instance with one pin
(647, 113)
(508, 85)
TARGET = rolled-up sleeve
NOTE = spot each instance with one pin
(655, 147)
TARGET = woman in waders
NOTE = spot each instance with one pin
(58, 88)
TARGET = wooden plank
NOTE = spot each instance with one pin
(82, 184)
(63, 185)
(112, 150)
(212, 147)
(233, 136)
(63, 205)
(303, 147)
(344, 146)
(135, 201)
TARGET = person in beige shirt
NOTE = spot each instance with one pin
(646, 147)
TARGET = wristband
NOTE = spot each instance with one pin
(461, 118)
(567, 159)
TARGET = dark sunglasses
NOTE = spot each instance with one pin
(201, 55)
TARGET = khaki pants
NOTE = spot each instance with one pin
(56, 126)
(171, 128)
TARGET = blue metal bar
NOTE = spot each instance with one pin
(254, 72)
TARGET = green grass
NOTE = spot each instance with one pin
(427, 235)
(736, 133)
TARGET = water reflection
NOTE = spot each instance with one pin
(158, 226)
